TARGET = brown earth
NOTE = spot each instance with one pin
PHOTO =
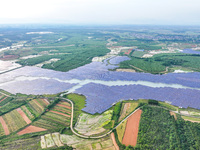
(59, 113)
(5, 127)
(64, 106)
(28, 121)
(3, 99)
(114, 141)
(31, 129)
(132, 126)
(173, 114)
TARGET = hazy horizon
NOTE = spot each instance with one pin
(101, 12)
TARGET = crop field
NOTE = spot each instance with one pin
(4, 99)
(127, 108)
(37, 106)
(93, 124)
(27, 112)
(132, 126)
(56, 118)
(14, 121)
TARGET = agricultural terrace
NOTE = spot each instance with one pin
(57, 140)
(55, 119)
(88, 124)
(22, 116)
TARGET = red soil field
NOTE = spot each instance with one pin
(59, 113)
(28, 121)
(64, 106)
(31, 129)
(114, 141)
(131, 132)
(45, 101)
(4, 126)
(3, 99)
(129, 51)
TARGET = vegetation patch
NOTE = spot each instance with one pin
(88, 124)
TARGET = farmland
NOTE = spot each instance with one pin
(56, 118)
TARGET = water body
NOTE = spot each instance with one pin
(102, 87)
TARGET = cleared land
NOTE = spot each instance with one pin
(31, 129)
(132, 126)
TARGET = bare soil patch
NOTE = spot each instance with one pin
(125, 70)
(28, 121)
(132, 126)
(114, 141)
(173, 114)
(59, 113)
(31, 129)
(5, 127)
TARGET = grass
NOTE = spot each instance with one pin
(120, 130)
(79, 104)
(190, 118)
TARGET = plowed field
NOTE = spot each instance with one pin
(132, 126)
(31, 129)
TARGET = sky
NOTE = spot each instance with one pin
(102, 12)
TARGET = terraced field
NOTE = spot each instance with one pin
(58, 117)
(14, 121)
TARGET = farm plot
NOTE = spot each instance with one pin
(93, 124)
(57, 117)
(37, 106)
(14, 121)
(132, 126)
(127, 108)
(4, 99)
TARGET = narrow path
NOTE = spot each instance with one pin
(101, 136)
